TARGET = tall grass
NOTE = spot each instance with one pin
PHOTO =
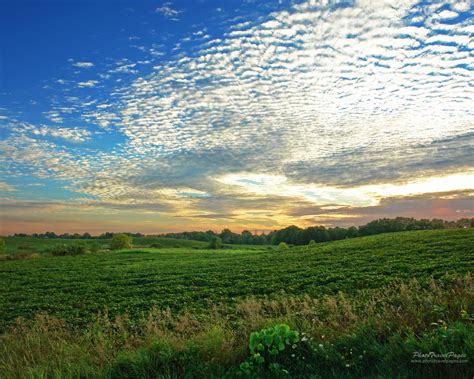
(368, 334)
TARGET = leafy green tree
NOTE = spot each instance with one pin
(2, 245)
(246, 237)
(50, 235)
(317, 233)
(228, 236)
(215, 243)
(292, 234)
(120, 241)
(352, 232)
(337, 233)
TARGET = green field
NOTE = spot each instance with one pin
(359, 308)
(30, 245)
(77, 287)
(26, 247)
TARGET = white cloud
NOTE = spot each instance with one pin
(312, 98)
(53, 116)
(83, 64)
(447, 14)
(70, 134)
(88, 84)
(366, 195)
(7, 187)
(124, 69)
(310, 74)
(167, 10)
(461, 5)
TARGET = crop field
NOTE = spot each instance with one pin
(180, 310)
(29, 245)
(75, 288)
(26, 246)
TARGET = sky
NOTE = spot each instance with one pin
(161, 116)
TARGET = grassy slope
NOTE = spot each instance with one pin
(168, 242)
(75, 288)
(28, 245)
(17, 245)
(139, 242)
(373, 334)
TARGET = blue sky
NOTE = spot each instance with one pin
(162, 116)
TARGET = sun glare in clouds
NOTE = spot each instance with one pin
(362, 196)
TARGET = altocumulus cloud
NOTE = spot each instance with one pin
(83, 64)
(70, 134)
(336, 103)
(167, 10)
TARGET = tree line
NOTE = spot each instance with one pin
(292, 235)
(76, 236)
(295, 235)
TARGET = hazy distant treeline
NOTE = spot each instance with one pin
(86, 236)
(292, 234)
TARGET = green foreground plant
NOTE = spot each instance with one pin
(267, 348)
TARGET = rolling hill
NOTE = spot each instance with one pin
(77, 287)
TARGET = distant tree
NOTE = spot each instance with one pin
(215, 243)
(282, 246)
(2, 245)
(260, 239)
(465, 223)
(337, 233)
(352, 232)
(292, 234)
(316, 233)
(206, 236)
(246, 237)
(121, 241)
(106, 235)
(228, 236)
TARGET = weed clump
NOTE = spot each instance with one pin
(282, 246)
(71, 249)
